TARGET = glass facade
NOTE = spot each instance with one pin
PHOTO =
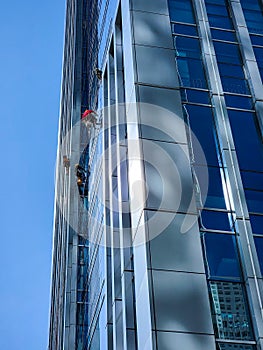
(161, 247)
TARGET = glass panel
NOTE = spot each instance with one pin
(247, 140)
(191, 73)
(218, 15)
(216, 10)
(236, 86)
(256, 223)
(259, 247)
(181, 11)
(223, 35)
(215, 220)
(226, 346)
(221, 256)
(256, 39)
(229, 311)
(195, 96)
(201, 124)
(254, 201)
(215, 196)
(238, 101)
(227, 53)
(230, 70)
(259, 55)
(184, 29)
(187, 47)
(252, 180)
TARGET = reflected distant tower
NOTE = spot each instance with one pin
(158, 224)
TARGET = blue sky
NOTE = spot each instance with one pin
(31, 34)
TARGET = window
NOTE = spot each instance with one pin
(202, 125)
(181, 11)
(218, 15)
(216, 220)
(247, 140)
(230, 319)
(221, 256)
(235, 101)
(223, 35)
(259, 248)
(214, 190)
(256, 223)
(184, 29)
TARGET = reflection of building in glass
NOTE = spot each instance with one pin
(159, 199)
(230, 314)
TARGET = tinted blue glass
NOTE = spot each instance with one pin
(215, 195)
(216, 10)
(184, 29)
(227, 53)
(256, 223)
(191, 73)
(195, 96)
(250, 4)
(181, 11)
(256, 39)
(247, 140)
(201, 124)
(187, 47)
(259, 55)
(254, 201)
(223, 35)
(238, 101)
(231, 70)
(216, 220)
(259, 247)
(252, 180)
(220, 22)
(221, 256)
(253, 18)
(234, 85)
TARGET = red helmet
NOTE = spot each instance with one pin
(87, 112)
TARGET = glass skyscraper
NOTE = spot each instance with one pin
(158, 224)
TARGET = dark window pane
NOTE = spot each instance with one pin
(256, 39)
(216, 10)
(223, 35)
(247, 140)
(220, 22)
(215, 196)
(254, 21)
(227, 53)
(259, 55)
(201, 124)
(191, 73)
(254, 201)
(231, 70)
(181, 11)
(236, 86)
(187, 47)
(195, 96)
(259, 247)
(221, 256)
(252, 180)
(184, 29)
(250, 4)
(215, 220)
(229, 311)
(238, 101)
(256, 223)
